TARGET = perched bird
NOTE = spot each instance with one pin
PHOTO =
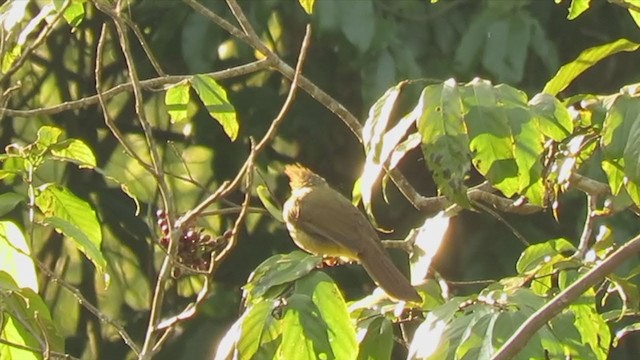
(323, 222)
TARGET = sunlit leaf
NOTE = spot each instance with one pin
(218, 106)
(305, 335)
(88, 246)
(307, 5)
(538, 254)
(76, 151)
(577, 7)
(14, 256)
(333, 310)
(444, 139)
(584, 61)
(491, 141)
(176, 99)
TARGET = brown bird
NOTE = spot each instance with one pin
(323, 222)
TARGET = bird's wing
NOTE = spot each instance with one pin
(335, 222)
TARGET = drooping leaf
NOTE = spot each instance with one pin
(584, 61)
(86, 245)
(218, 106)
(552, 117)
(445, 144)
(375, 338)
(305, 335)
(491, 141)
(267, 201)
(333, 310)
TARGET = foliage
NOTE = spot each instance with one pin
(139, 215)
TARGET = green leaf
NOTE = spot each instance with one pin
(15, 256)
(307, 5)
(26, 320)
(80, 220)
(176, 99)
(552, 117)
(577, 7)
(528, 142)
(267, 201)
(47, 136)
(88, 246)
(75, 151)
(593, 330)
(74, 14)
(538, 254)
(444, 139)
(507, 45)
(278, 270)
(9, 200)
(377, 342)
(258, 327)
(215, 100)
(304, 333)
(491, 141)
(333, 310)
(584, 61)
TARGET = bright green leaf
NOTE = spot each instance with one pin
(14, 256)
(47, 136)
(577, 7)
(584, 61)
(491, 141)
(74, 13)
(304, 333)
(538, 254)
(307, 5)
(176, 99)
(333, 310)
(215, 100)
(76, 151)
(87, 245)
(444, 139)
(552, 117)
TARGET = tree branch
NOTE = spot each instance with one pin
(520, 338)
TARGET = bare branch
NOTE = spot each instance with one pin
(149, 84)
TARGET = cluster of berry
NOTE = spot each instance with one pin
(194, 247)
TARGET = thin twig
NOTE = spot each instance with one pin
(561, 301)
(268, 136)
(107, 118)
(497, 216)
(145, 84)
(86, 303)
(587, 229)
(52, 354)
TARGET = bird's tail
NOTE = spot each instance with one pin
(382, 270)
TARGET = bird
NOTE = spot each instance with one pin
(323, 222)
